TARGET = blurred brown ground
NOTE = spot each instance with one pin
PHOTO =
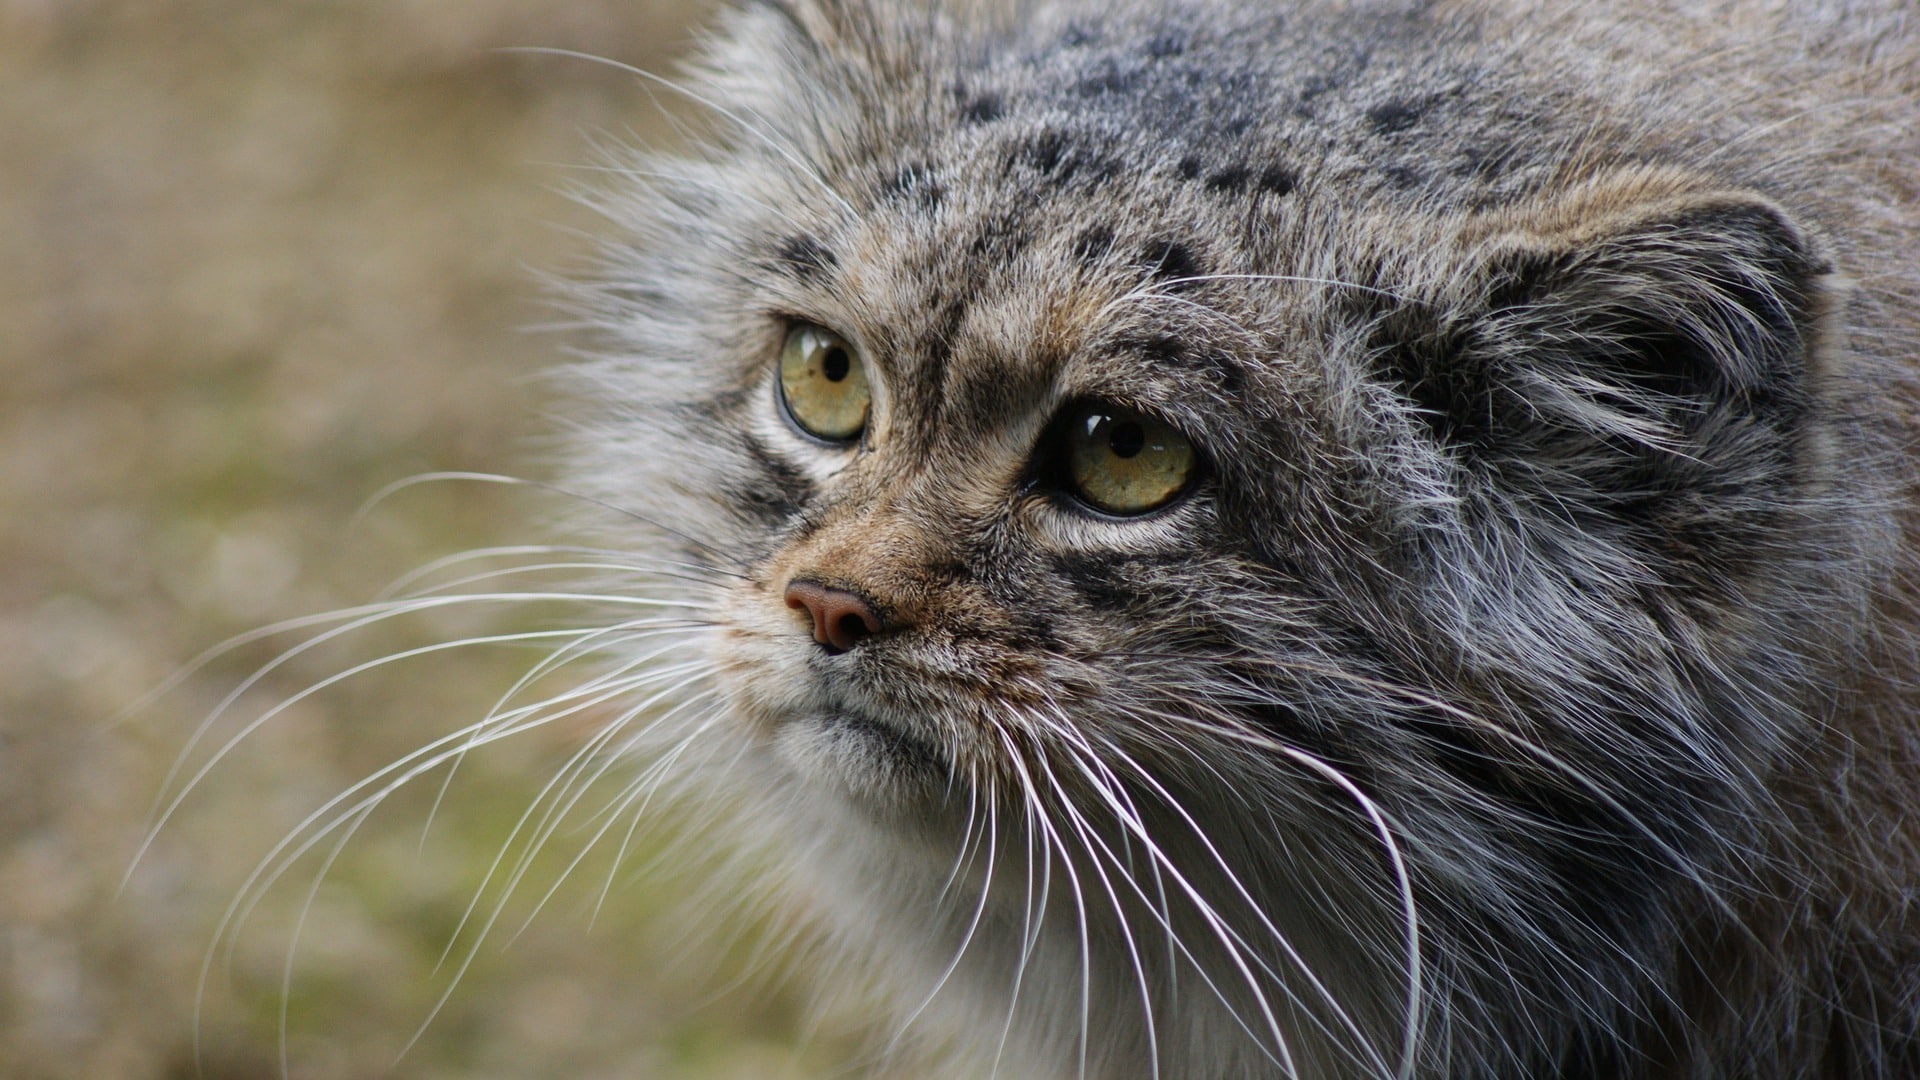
(259, 258)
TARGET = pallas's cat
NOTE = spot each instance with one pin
(1234, 539)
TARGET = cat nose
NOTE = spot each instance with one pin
(840, 618)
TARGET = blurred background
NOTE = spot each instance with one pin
(259, 258)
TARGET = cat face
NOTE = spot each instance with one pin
(1340, 593)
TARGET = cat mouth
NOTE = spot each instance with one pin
(897, 747)
(878, 764)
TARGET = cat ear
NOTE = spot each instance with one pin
(1637, 350)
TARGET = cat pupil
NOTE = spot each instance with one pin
(1127, 440)
(836, 365)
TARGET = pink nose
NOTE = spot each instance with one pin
(840, 618)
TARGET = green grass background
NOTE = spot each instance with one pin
(259, 258)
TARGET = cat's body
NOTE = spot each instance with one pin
(1518, 681)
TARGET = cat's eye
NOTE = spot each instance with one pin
(823, 385)
(1122, 461)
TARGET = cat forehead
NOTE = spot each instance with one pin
(1034, 256)
(1037, 240)
(1235, 100)
(1099, 171)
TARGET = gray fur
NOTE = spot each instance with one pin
(1525, 689)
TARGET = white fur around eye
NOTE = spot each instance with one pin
(820, 461)
(1059, 526)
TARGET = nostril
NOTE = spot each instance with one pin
(851, 628)
(840, 618)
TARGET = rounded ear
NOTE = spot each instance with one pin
(1711, 301)
(1636, 352)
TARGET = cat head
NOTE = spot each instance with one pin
(1361, 571)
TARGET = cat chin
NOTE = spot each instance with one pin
(873, 765)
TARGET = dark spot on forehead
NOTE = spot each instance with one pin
(1171, 260)
(806, 258)
(1099, 168)
(1397, 115)
(1304, 107)
(1042, 153)
(1231, 179)
(1315, 85)
(1093, 245)
(915, 184)
(1107, 78)
(1056, 155)
(1404, 177)
(1001, 236)
(1189, 167)
(982, 108)
(1172, 352)
(1241, 177)
(1276, 180)
(1484, 163)
(1164, 45)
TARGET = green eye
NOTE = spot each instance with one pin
(823, 384)
(1122, 461)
